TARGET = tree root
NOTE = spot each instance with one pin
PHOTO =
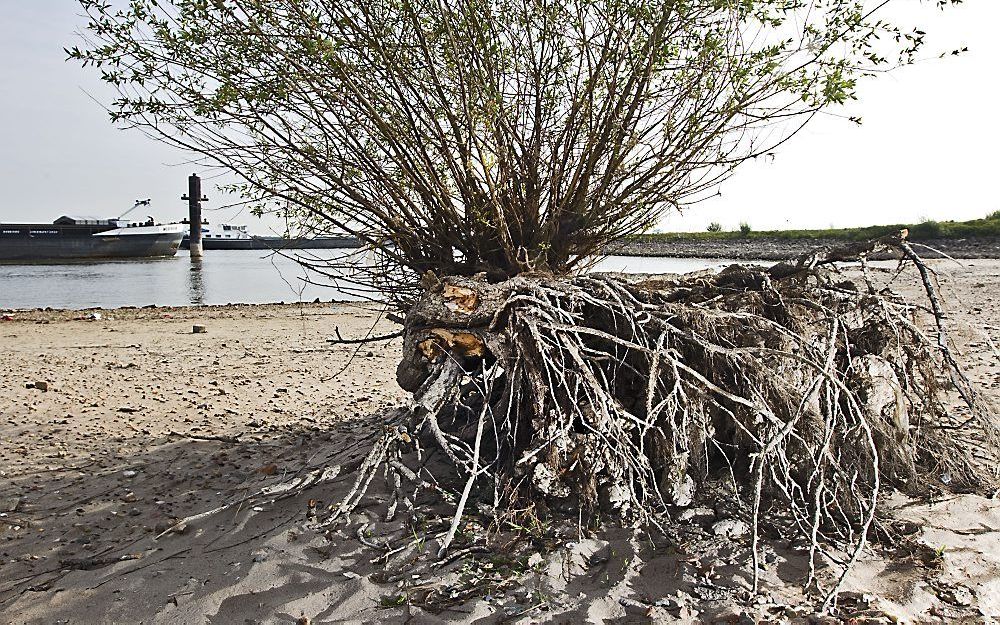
(604, 393)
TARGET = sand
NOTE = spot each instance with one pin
(142, 423)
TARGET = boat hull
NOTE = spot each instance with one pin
(72, 246)
(276, 243)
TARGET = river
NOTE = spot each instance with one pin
(222, 277)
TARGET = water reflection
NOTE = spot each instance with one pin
(196, 283)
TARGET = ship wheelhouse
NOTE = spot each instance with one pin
(226, 231)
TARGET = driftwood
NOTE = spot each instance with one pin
(600, 392)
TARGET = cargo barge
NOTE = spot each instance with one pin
(236, 237)
(84, 238)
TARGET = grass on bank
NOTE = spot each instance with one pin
(988, 226)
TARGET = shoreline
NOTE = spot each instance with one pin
(135, 312)
(646, 254)
(762, 249)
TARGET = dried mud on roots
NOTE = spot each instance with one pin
(626, 396)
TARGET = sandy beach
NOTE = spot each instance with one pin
(115, 424)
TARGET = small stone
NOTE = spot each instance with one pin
(535, 559)
(696, 515)
(730, 528)
(42, 386)
(199, 329)
(796, 611)
(163, 526)
(957, 595)
(680, 492)
(130, 473)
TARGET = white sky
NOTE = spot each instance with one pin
(927, 148)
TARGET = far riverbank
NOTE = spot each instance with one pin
(779, 248)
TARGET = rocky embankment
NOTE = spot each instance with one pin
(758, 248)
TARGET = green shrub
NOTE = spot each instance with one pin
(717, 227)
(993, 215)
(928, 229)
(744, 228)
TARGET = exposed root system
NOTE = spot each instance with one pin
(810, 394)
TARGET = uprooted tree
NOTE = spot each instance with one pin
(486, 152)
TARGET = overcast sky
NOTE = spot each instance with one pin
(927, 149)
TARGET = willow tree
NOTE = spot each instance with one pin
(468, 137)
(486, 150)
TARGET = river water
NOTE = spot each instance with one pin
(222, 277)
